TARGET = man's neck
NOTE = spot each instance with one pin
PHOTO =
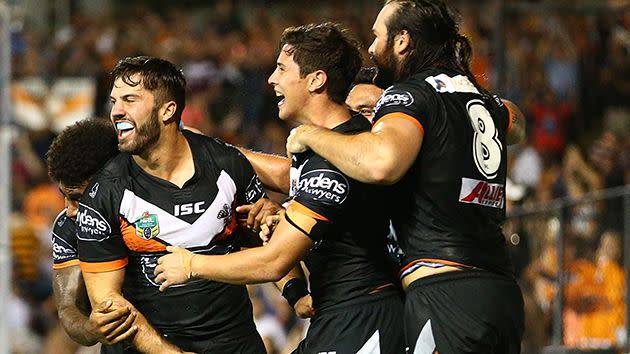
(327, 115)
(170, 159)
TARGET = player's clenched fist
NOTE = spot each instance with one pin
(294, 145)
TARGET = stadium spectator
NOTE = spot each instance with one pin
(419, 50)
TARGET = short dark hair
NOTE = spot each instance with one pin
(328, 47)
(365, 76)
(159, 76)
(435, 37)
(81, 150)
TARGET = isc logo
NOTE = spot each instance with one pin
(189, 208)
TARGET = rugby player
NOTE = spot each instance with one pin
(166, 187)
(364, 93)
(335, 224)
(443, 139)
(74, 156)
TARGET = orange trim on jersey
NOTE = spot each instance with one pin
(229, 229)
(102, 267)
(403, 116)
(510, 116)
(303, 217)
(432, 260)
(135, 243)
(296, 206)
(67, 264)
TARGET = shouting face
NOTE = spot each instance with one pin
(290, 88)
(135, 115)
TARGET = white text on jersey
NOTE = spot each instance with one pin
(189, 208)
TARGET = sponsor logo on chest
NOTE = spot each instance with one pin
(189, 208)
(481, 192)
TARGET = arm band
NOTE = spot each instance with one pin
(294, 290)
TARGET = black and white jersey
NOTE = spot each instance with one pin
(450, 205)
(127, 218)
(64, 242)
(348, 223)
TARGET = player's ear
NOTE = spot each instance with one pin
(402, 42)
(317, 80)
(167, 111)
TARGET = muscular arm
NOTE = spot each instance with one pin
(107, 285)
(273, 170)
(516, 133)
(256, 265)
(380, 156)
(102, 324)
(72, 304)
(269, 263)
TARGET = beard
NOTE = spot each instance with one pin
(146, 136)
(387, 64)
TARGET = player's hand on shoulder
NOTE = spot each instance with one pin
(111, 322)
(174, 268)
(304, 307)
(295, 141)
(258, 212)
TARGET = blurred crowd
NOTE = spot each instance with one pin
(567, 68)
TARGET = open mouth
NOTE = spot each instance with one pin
(280, 98)
(124, 129)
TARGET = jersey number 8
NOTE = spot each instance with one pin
(486, 145)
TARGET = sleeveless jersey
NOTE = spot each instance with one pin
(127, 218)
(450, 205)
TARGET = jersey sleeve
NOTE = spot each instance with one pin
(101, 246)
(319, 199)
(249, 188)
(405, 101)
(64, 242)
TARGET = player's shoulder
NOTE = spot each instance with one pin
(409, 94)
(63, 224)
(112, 179)
(356, 124)
(322, 182)
(115, 169)
(211, 148)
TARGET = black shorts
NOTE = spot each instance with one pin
(358, 328)
(469, 311)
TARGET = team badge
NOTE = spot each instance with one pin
(94, 190)
(147, 226)
(225, 214)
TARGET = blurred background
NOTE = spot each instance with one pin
(565, 63)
